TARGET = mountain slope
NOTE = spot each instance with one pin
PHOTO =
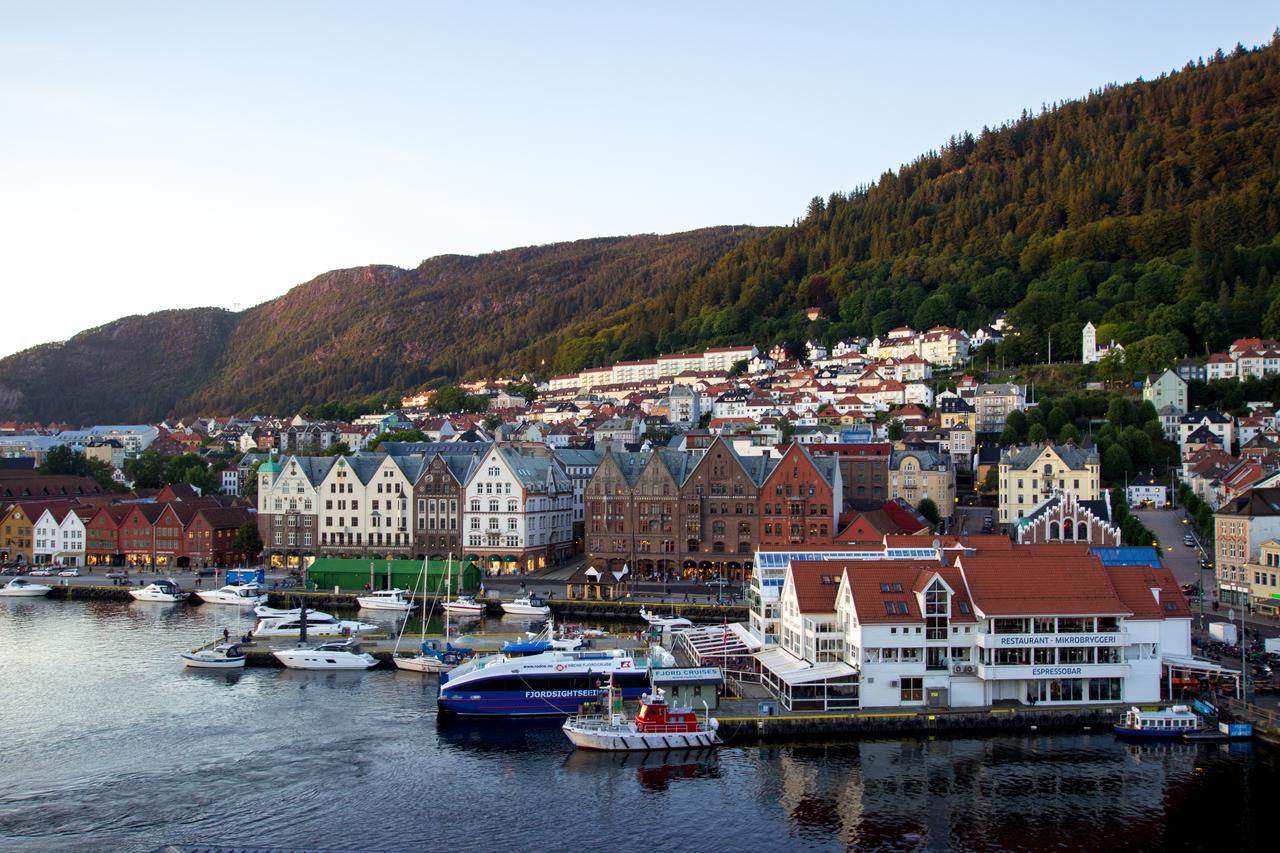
(1151, 209)
(1135, 208)
(129, 370)
(352, 332)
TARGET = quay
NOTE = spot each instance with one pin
(605, 611)
(741, 722)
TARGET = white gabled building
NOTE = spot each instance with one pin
(58, 537)
(364, 506)
(1042, 625)
(519, 511)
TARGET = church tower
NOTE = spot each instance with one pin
(1089, 344)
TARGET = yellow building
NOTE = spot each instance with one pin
(15, 534)
(1265, 589)
(918, 474)
(1031, 475)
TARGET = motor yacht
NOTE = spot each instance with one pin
(23, 588)
(386, 599)
(263, 611)
(338, 654)
(464, 605)
(162, 590)
(528, 605)
(318, 625)
(221, 656)
(664, 622)
(236, 595)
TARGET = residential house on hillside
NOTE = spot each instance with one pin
(1030, 475)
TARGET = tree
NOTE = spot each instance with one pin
(1112, 368)
(895, 430)
(1016, 419)
(1069, 433)
(1037, 434)
(338, 448)
(491, 422)
(929, 510)
(146, 470)
(1009, 436)
(1209, 326)
(248, 541)
(1116, 464)
(738, 368)
(65, 461)
(250, 488)
(1152, 354)
(786, 430)
(409, 435)
(991, 482)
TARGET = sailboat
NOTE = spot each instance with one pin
(431, 657)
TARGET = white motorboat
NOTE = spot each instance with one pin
(263, 611)
(162, 590)
(386, 599)
(339, 654)
(237, 595)
(464, 605)
(318, 625)
(664, 622)
(221, 656)
(528, 605)
(23, 588)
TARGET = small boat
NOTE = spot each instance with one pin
(221, 656)
(318, 625)
(23, 588)
(464, 605)
(664, 622)
(339, 654)
(386, 599)
(162, 590)
(542, 641)
(528, 605)
(237, 595)
(656, 726)
(432, 658)
(1168, 724)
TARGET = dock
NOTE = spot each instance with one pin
(602, 611)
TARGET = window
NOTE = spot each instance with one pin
(912, 689)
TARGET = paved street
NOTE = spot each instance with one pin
(1167, 525)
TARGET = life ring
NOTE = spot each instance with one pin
(559, 667)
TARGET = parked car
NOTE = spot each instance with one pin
(70, 572)
(1188, 541)
(41, 573)
(720, 582)
(117, 574)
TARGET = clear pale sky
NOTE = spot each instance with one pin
(157, 155)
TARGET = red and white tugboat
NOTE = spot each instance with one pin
(656, 726)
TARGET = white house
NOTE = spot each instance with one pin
(58, 537)
(1020, 624)
(519, 511)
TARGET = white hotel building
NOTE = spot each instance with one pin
(1031, 624)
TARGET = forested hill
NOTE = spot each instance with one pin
(1151, 209)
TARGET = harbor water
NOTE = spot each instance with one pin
(111, 745)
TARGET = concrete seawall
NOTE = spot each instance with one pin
(605, 611)
(744, 729)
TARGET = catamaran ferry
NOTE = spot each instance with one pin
(552, 683)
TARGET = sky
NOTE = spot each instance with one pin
(169, 155)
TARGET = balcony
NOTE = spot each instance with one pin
(1038, 641)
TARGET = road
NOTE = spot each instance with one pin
(1167, 525)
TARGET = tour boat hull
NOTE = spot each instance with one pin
(624, 740)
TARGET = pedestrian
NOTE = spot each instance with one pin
(226, 635)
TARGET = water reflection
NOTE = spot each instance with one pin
(123, 748)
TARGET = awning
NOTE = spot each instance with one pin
(789, 669)
(1196, 665)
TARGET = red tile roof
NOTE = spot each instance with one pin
(1134, 585)
(815, 583)
(1027, 584)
